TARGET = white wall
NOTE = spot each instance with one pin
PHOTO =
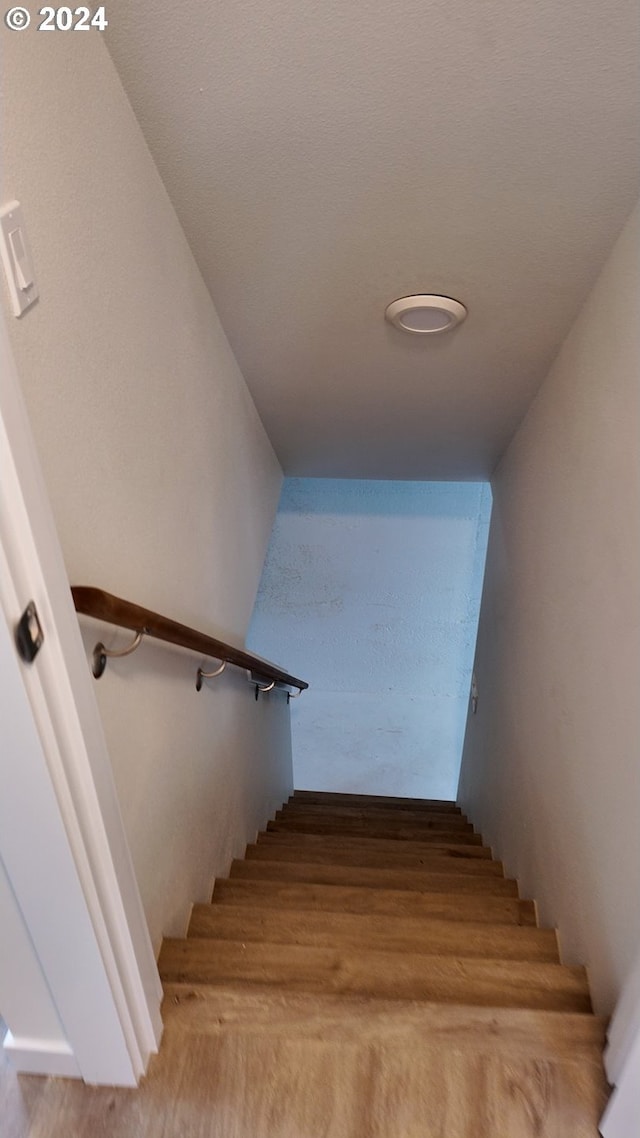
(371, 592)
(551, 768)
(162, 480)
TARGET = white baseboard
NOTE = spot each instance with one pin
(41, 1056)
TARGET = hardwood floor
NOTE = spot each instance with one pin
(369, 984)
(282, 1069)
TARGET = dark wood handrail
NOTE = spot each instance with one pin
(124, 614)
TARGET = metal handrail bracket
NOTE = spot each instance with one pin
(200, 675)
(102, 654)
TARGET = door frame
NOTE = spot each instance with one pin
(622, 1062)
(96, 932)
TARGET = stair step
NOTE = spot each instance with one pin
(430, 821)
(371, 949)
(425, 881)
(438, 859)
(395, 830)
(364, 800)
(388, 902)
(502, 983)
(356, 931)
(402, 1024)
(388, 847)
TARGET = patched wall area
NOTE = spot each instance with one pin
(371, 591)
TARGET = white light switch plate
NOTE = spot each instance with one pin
(16, 258)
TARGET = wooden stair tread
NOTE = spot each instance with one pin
(395, 830)
(452, 879)
(388, 847)
(501, 983)
(373, 950)
(357, 841)
(263, 1010)
(449, 859)
(363, 825)
(395, 852)
(430, 821)
(352, 931)
(359, 899)
(427, 804)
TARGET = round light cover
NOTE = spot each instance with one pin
(425, 315)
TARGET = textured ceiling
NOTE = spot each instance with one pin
(325, 158)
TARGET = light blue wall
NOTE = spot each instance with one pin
(371, 591)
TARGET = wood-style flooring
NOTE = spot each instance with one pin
(365, 972)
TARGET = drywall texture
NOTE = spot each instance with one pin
(371, 592)
(162, 480)
(551, 773)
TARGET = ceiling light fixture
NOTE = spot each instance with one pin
(425, 315)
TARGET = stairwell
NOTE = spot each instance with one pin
(367, 969)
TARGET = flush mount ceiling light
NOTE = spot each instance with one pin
(425, 315)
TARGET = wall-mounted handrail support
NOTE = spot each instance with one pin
(104, 606)
(102, 654)
(200, 675)
(255, 679)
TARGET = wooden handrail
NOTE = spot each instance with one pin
(124, 614)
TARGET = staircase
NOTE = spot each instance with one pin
(368, 969)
